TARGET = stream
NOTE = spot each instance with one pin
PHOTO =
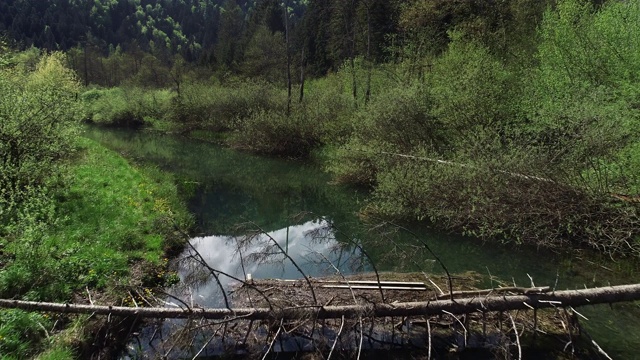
(246, 206)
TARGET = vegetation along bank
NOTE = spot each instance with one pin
(515, 122)
(78, 223)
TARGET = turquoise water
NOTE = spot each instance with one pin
(245, 204)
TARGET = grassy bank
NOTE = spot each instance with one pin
(113, 225)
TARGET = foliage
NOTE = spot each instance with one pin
(222, 107)
(530, 159)
(125, 106)
(398, 121)
(582, 102)
(278, 134)
(127, 215)
(471, 90)
(38, 123)
(6, 53)
(329, 104)
(323, 117)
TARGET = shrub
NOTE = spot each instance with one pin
(273, 132)
(328, 103)
(470, 153)
(222, 107)
(38, 125)
(125, 106)
(471, 90)
(398, 121)
(107, 106)
(582, 101)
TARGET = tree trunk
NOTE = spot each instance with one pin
(286, 35)
(302, 76)
(574, 298)
(367, 92)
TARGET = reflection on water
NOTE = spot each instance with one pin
(227, 261)
(311, 245)
(227, 188)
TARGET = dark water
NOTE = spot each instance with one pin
(233, 194)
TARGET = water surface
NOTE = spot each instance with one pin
(244, 204)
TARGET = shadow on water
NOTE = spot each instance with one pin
(226, 188)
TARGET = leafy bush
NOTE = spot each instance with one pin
(328, 102)
(582, 101)
(476, 151)
(222, 107)
(397, 122)
(38, 126)
(484, 200)
(107, 106)
(125, 106)
(276, 133)
(583, 48)
(471, 90)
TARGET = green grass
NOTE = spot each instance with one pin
(111, 217)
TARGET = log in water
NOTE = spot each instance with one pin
(488, 303)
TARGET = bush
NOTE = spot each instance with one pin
(475, 151)
(484, 200)
(471, 90)
(222, 107)
(582, 101)
(38, 126)
(273, 132)
(330, 105)
(399, 122)
(125, 106)
(107, 106)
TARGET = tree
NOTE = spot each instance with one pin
(265, 55)
(227, 52)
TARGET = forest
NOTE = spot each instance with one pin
(514, 121)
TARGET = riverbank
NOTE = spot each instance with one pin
(114, 224)
(297, 205)
(470, 140)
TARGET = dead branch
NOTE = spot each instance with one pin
(515, 331)
(508, 289)
(566, 298)
(335, 341)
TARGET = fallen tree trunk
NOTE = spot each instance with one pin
(566, 298)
